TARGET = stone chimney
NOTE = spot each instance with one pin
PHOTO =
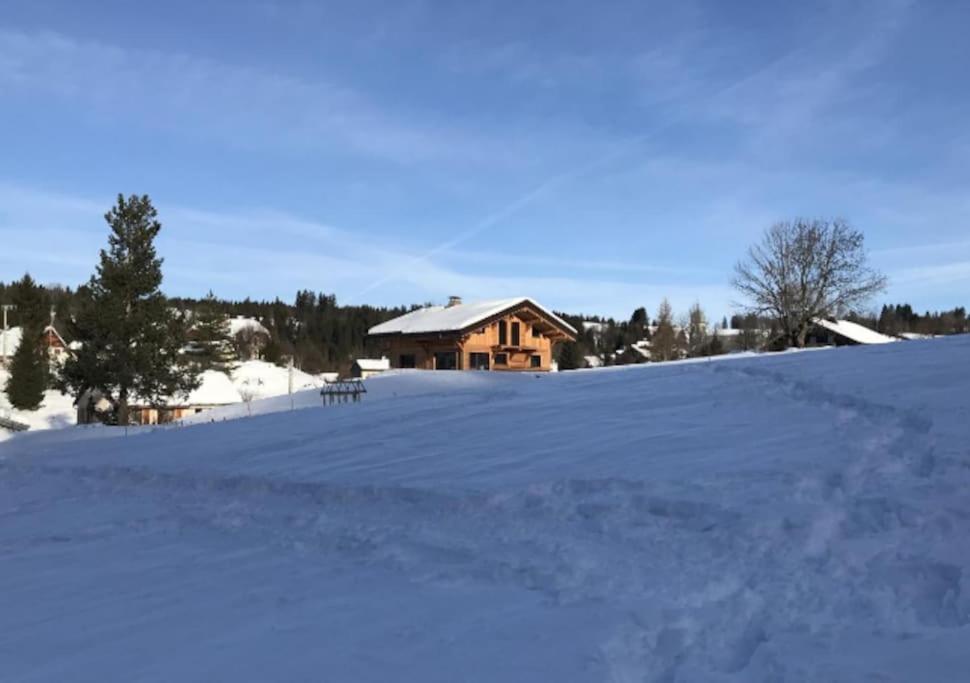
(453, 301)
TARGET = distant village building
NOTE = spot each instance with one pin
(215, 390)
(505, 335)
(843, 333)
(250, 337)
(58, 350)
(368, 367)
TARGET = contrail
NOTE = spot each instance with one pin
(577, 171)
(508, 210)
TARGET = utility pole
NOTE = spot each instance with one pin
(3, 351)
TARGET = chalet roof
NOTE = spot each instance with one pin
(373, 364)
(459, 317)
(860, 334)
(53, 330)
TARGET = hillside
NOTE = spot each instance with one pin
(797, 517)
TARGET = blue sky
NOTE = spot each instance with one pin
(596, 156)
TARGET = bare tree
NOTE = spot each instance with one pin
(804, 270)
(663, 345)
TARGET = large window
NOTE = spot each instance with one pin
(478, 361)
(503, 333)
(501, 359)
(536, 332)
(516, 340)
(445, 360)
(406, 360)
(536, 361)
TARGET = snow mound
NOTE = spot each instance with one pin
(795, 517)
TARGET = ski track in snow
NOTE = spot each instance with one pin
(757, 573)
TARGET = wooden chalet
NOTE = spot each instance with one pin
(503, 334)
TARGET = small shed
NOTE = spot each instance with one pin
(833, 332)
(368, 367)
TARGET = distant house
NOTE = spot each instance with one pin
(368, 367)
(502, 334)
(827, 332)
(215, 390)
(57, 349)
(250, 336)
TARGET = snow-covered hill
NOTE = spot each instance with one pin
(800, 517)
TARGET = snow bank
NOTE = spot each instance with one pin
(797, 517)
(56, 411)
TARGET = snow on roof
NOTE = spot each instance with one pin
(854, 331)
(12, 338)
(373, 364)
(727, 332)
(593, 361)
(260, 379)
(215, 389)
(456, 318)
(240, 323)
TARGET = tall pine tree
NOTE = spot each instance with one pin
(29, 365)
(131, 340)
(211, 347)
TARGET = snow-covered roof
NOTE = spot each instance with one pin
(727, 332)
(12, 338)
(860, 334)
(458, 317)
(240, 323)
(260, 379)
(215, 389)
(914, 336)
(373, 364)
(593, 361)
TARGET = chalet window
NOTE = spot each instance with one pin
(478, 361)
(536, 361)
(515, 334)
(406, 360)
(536, 332)
(445, 360)
(501, 359)
(503, 333)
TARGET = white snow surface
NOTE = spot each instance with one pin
(790, 517)
(854, 331)
(259, 379)
(215, 388)
(10, 341)
(57, 410)
(455, 318)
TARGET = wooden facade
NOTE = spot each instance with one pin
(519, 339)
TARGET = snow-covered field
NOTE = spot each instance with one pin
(56, 411)
(800, 517)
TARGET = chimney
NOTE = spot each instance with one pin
(453, 301)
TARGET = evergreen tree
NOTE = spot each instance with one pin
(29, 365)
(664, 343)
(211, 346)
(570, 356)
(131, 340)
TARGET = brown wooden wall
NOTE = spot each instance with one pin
(482, 340)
